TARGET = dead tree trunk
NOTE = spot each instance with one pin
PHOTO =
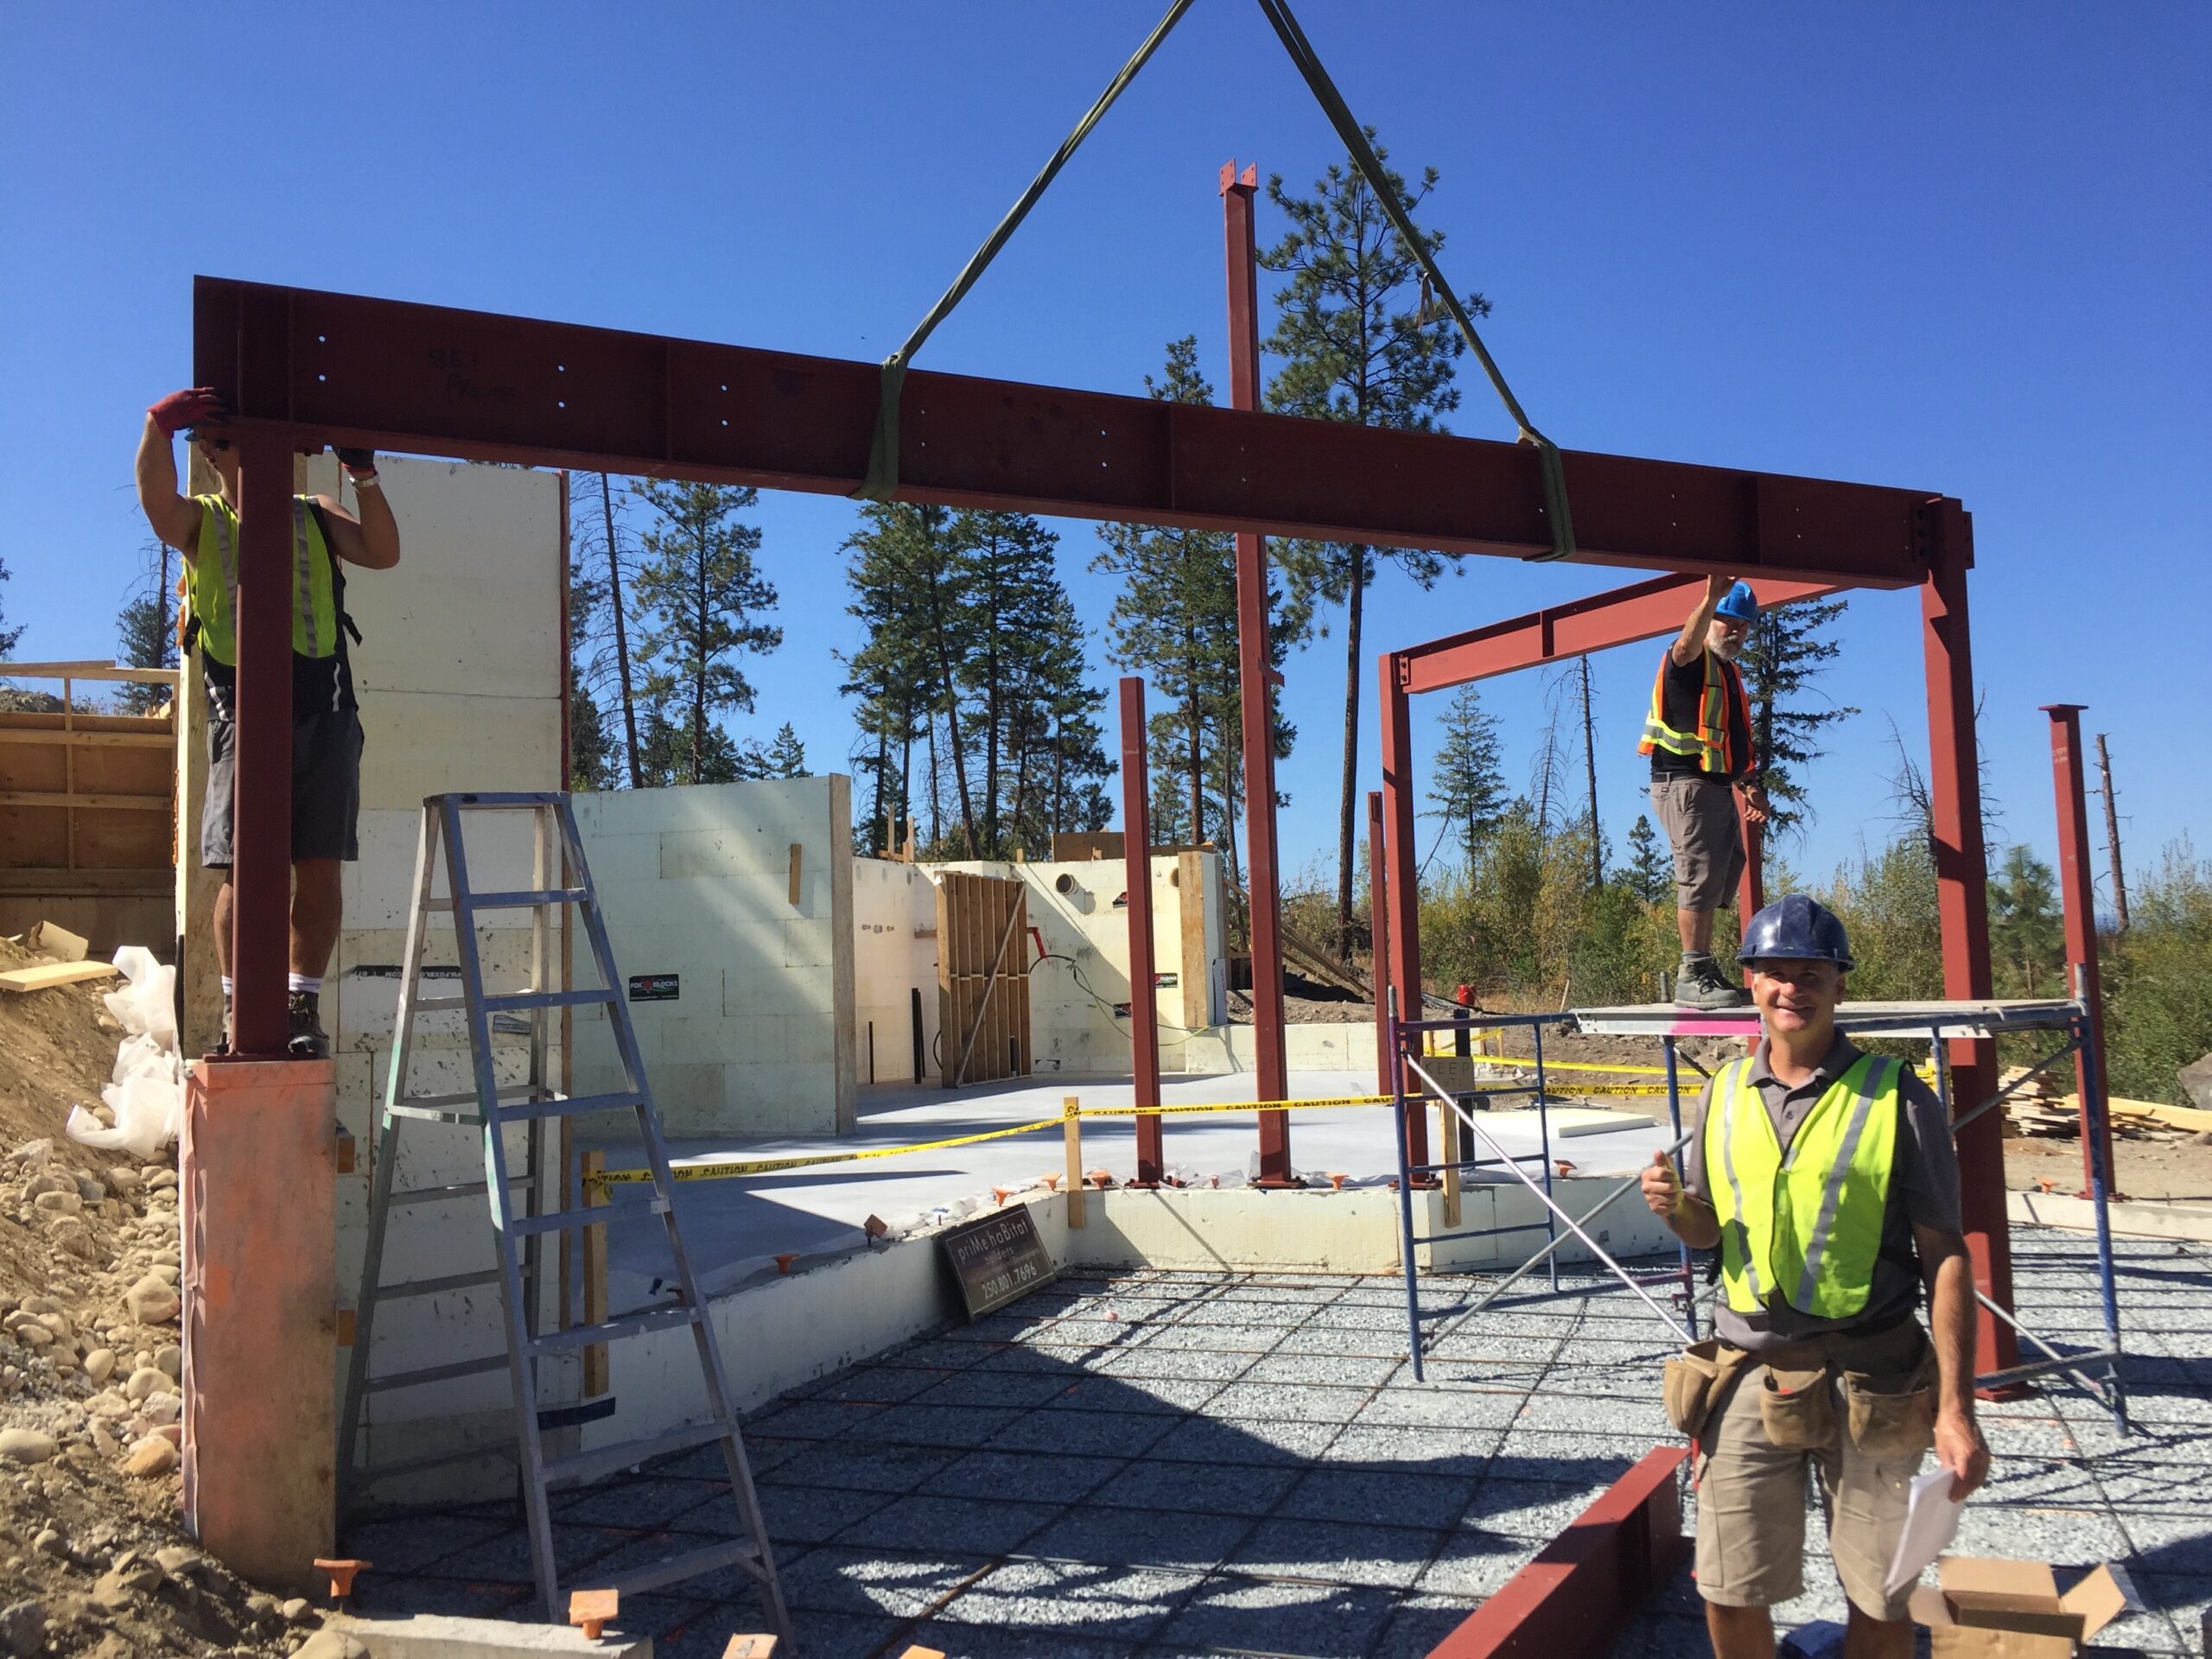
(2112, 834)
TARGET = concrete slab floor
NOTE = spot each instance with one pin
(738, 1226)
(1050, 1480)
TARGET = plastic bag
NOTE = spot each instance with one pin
(149, 1004)
(146, 1095)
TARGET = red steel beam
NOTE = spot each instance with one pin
(1643, 610)
(1962, 904)
(479, 386)
(2078, 893)
(1136, 878)
(1254, 673)
(1576, 1598)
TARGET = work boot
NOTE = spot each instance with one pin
(1701, 984)
(308, 1040)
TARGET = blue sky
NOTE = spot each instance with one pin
(1959, 248)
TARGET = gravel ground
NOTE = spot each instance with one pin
(1172, 1463)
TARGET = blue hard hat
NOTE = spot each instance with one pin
(1738, 604)
(1798, 929)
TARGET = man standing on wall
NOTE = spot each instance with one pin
(1698, 736)
(326, 721)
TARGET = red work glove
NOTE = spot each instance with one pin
(188, 408)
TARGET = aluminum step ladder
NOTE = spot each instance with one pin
(519, 1202)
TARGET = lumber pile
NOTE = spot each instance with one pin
(2043, 1108)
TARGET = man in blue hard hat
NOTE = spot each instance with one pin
(1826, 1179)
(1698, 734)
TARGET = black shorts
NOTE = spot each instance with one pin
(325, 783)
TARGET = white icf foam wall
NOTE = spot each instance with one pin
(459, 673)
(730, 907)
(894, 970)
(1078, 956)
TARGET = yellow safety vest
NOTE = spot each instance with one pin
(212, 596)
(1802, 1229)
(1708, 745)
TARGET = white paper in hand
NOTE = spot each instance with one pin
(1931, 1520)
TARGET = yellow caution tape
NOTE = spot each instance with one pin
(724, 1171)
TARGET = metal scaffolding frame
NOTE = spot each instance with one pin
(1937, 1023)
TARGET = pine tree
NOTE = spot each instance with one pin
(146, 632)
(1467, 785)
(591, 760)
(2027, 935)
(8, 635)
(1786, 650)
(1648, 874)
(1357, 346)
(1174, 621)
(702, 596)
(905, 577)
(785, 756)
(599, 599)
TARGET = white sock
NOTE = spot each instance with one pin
(311, 984)
(226, 987)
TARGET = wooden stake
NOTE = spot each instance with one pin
(596, 1380)
(1071, 1128)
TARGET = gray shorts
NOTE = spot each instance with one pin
(326, 785)
(1699, 815)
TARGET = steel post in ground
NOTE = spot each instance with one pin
(1254, 677)
(1674, 1121)
(1136, 878)
(2077, 895)
(1398, 846)
(1544, 1144)
(1962, 900)
(1405, 1178)
(261, 815)
(2094, 1102)
(1378, 920)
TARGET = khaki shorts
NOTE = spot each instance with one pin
(1699, 815)
(1750, 1492)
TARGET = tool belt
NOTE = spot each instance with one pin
(1884, 1381)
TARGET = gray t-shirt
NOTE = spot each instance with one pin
(1924, 1188)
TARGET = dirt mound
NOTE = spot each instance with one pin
(89, 1363)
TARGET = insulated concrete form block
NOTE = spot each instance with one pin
(473, 611)
(894, 958)
(743, 892)
(1309, 1047)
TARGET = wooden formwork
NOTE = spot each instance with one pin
(982, 977)
(87, 816)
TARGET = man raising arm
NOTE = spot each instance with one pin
(326, 721)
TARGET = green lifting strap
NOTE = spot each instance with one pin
(1363, 154)
(883, 453)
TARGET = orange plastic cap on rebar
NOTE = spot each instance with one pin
(341, 1575)
(594, 1610)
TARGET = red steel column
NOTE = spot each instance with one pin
(1378, 911)
(1962, 900)
(261, 875)
(1270, 1067)
(1405, 888)
(1750, 891)
(2077, 892)
(1136, 876)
